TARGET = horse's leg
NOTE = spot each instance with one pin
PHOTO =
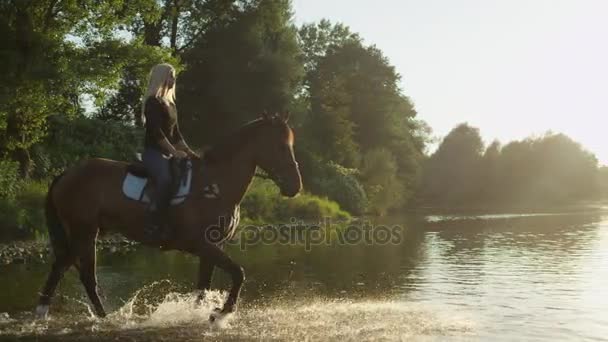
(205, 275)
(88, 274)
(216, 256)
(60, 265)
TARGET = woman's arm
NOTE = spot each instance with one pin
(181, 143)
(168, 147)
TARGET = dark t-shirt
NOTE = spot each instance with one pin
(161, 122)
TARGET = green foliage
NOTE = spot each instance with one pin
(317, 39)
(57, 55)
(307, 207)
(31, 199)
(263, 202)
(552, 168)
(239, 68)
(120, 97)
(547, 170)
(260, 200)
(340, 184)
(78, 138)
(22, 216)
(451, 174)
(382, 184)
(356, 108)
(9, 179)
(603, 181)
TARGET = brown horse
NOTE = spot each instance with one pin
(87, 199)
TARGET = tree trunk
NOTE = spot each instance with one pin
(174, 25)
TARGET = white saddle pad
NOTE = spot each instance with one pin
(135, 188)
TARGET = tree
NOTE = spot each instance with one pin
(119, 99)
(603, 181)
(382, 184)
(161, 31)
(318, 39)
(451, 173)
(238, 69)
(356, 106)
(535, 172)
(488, 173)
(39, 69)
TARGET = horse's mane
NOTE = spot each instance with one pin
(231, 144)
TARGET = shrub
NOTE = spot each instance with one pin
(9, 179)
(379, 174)
(309, 207)
(260, 203)
(263, 202)
(341, 185)
(11, 220)
(71, 140)
(22, 216)
(336, 182)
(31, 198)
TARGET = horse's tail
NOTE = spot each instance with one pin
(57, 234)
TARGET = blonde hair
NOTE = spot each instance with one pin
(157, 86)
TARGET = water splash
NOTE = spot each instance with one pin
(334, 319)
(180, 316)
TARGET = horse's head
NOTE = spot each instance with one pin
(275, 155)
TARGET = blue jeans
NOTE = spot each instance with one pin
(158, 167)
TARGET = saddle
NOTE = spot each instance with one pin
(137, 184)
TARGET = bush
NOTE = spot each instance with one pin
(263, 202)
(341, 185)
(31, 198)
(9, 179)
(260, 203)
(70, 140)
(334, 181)
(379, 173)
(22, 216)
(309, 207)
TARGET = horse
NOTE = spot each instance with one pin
(87, 200)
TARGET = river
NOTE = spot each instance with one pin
(533, 277)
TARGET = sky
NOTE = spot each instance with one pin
(512, 68)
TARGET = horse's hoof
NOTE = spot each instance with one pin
(42, 311)
(215, 315)
(218, 315)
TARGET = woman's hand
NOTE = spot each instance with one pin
(180, 154)
(193, 154)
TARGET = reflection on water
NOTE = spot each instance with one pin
(515, 277)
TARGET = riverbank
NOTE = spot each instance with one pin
(39, 251)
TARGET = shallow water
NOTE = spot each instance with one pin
(486, 277)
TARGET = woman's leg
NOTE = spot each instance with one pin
(158, 167)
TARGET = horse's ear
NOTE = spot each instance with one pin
(285, 116)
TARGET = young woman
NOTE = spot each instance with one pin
(163, 140)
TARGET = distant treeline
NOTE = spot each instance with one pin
(536, 172)
(74, 72)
